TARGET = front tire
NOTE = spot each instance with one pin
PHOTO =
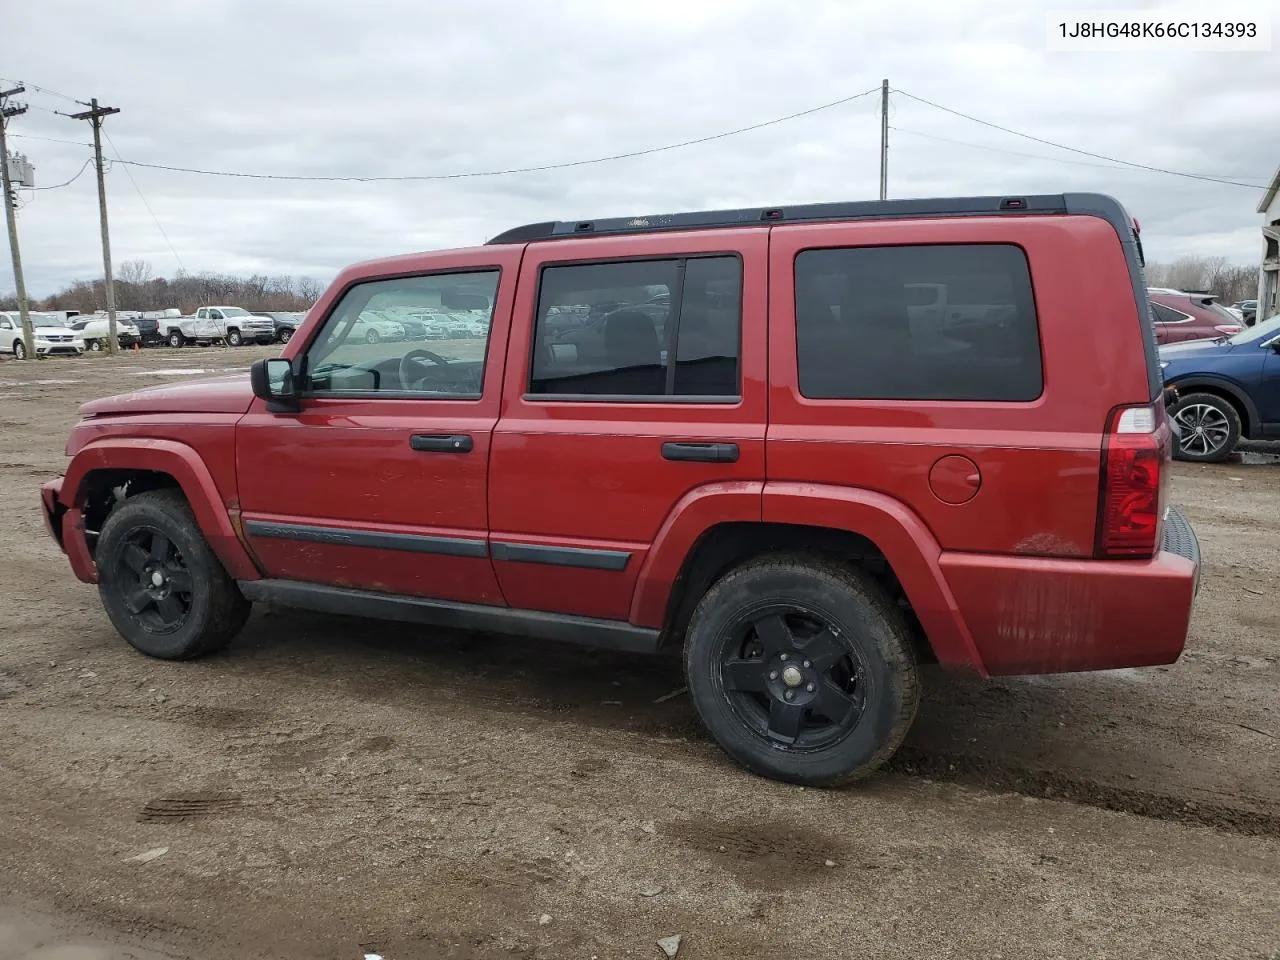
(176, 339)
(19, 350)
(234, 339)
(802, 669)
(95, 346)
(372, 336)
(284, 335)
(1208, 428)
(163, 588)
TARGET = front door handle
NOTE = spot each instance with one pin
(702, 452)
(441, 442)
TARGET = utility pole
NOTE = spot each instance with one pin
(884, 138)
(6, 111)
(94, 115)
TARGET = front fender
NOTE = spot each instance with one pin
(177, 460)
(907, 545)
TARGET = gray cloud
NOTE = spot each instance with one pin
(398, 87)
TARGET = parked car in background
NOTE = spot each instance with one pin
(794, 490)
(149, 331)
(230, 325)
(1248, 311)
(52, 337)
(96, 332)
(286, 323)
(372, 327)
(1179, 315)
(1226, 390)
(148, 324)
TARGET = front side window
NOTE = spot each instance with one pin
(421, 336)
(940, 322)
(640, 328)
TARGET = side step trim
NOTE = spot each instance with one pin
(586, 631)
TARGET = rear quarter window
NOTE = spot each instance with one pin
(941, 322)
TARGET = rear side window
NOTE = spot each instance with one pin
(946, 322)
(1165, 314)
(639, 328)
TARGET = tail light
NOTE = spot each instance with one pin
(1136, 453)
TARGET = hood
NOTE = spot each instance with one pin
(1194, 348)
(43, 332)
(231, 394)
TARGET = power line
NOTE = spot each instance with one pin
(68, 183)
(32, 136)
(52, 93)
(154, 218)
(508, 171)
(1015, 153)
(1087, 153)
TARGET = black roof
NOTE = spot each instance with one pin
(1058, 203)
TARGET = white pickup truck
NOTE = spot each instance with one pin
(230, 325)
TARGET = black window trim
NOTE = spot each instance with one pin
(1035, 306)
(301, 359)
(681, 260)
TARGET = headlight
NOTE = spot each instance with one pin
(1163, 364)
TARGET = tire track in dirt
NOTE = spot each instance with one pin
(984, 773)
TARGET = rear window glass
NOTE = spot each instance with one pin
(1221, 312)
(945, 322)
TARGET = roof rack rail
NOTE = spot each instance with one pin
(1095, 204)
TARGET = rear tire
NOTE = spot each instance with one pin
(176, 339)
(802, 669)
(163, 588)
(1209, 428)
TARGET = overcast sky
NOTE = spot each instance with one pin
(399, 87)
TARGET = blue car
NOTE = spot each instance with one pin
(1226, 389)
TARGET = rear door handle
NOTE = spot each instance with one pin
(441, 442)
(703, 452)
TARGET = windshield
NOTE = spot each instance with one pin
(1261, 331)
(45, 321)
(234, 312)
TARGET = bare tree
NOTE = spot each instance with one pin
(134, 272)
(309, 289)
(1229, 282)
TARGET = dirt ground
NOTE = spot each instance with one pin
(331, 787)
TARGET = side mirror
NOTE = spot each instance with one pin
(1275, 345)
(272, 381)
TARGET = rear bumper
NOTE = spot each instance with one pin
(1040, 615)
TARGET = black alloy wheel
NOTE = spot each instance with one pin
(788, 677)
(154, 580)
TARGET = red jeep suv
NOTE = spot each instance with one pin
(813, 446)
